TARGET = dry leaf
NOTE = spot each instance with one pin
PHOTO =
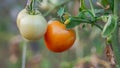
(110, 54)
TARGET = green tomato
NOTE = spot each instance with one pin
(31, 27)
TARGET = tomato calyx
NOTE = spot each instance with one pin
(67, 21)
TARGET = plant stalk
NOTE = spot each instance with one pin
(115, 36)
(92, 8)
(24, 55)
(77, 19)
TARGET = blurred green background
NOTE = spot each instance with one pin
(87, 51)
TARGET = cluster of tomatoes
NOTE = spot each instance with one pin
(33, 26)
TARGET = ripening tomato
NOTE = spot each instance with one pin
(58, 38)
(32, 27)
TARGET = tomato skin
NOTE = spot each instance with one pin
(58, 38)
(21, 14)
(31, 27)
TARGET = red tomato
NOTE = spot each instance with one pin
(58, 38)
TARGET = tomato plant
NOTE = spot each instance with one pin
(58, 38)
(107, 12)
(31, 23)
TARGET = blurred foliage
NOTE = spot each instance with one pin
(90, 40)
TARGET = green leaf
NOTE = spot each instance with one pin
(61, 11)
(73, 22)
(86, 14)
(71, 25)
(109, 26)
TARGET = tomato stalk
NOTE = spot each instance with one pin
(31, 7)
(115, 36)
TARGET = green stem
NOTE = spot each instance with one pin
(30, 7)
(92, 8)
(79, 20)
(98, 26)
(24, 55)
(115, 37)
